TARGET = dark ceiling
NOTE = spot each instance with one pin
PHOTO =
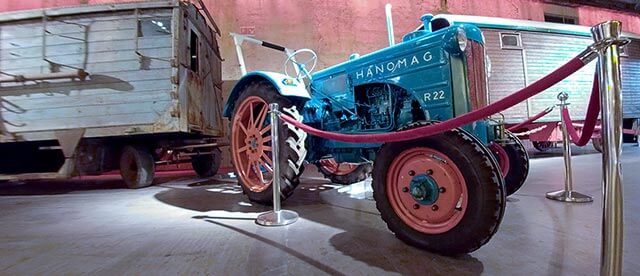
(621, 5)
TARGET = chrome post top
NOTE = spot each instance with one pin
(563, 97)
(607, 31)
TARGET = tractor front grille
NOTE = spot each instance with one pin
(476, 75)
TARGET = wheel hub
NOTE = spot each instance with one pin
(424, 189)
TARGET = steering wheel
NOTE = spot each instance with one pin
(302, 72)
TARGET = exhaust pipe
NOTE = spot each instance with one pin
(387, 11)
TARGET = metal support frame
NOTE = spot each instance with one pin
(567, 194)
(277, 217)
(238, 39)
(611, 106)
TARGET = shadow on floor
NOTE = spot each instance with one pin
(107, 182)
(374, 246)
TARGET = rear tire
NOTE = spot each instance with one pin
(207, 165)
(251, 143)
(344, 173)
(137, 167)
(518, 166)
(462, 217)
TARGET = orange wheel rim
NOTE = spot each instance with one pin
(251, 144)
(449, 208)
(330, 165)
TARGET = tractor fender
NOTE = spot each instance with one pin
(286, 86)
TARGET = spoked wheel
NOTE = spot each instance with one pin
(251, 143)
(137, 167)
(344, 173)
(443, 193)
(542, 145)
(207, 165)
(514, 162)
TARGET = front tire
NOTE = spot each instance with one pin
(442, 193)
(251, 143)
(137, 167)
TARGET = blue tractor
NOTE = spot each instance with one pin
(444, 193)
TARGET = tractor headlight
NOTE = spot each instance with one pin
(461, 36)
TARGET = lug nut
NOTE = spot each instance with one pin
(442, 190)
(412, 173)
(429, 172)
(435, 208)
(405, 189)
(416, 206)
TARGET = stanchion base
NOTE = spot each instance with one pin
(569, 196)
(277, 218)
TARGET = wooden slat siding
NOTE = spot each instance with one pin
(507, 74)
(117, 93)
(88, 122)
(98, 97)
(77, 47)
(78, 113)
(12, 65)
(545, 53)
(96, 79)
(106, 67)
(82, 89)
(98, 22)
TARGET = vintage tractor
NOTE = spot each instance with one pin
(445, 193)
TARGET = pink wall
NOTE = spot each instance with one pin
(337, 28)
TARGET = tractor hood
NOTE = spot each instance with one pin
(443, 34)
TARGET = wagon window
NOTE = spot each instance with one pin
(510, 41)
(193, 51)
(154, 26)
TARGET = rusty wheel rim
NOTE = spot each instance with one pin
(331, 166)
(502, 156)
(446, 209)
(251, 144)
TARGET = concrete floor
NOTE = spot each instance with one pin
(197, 226)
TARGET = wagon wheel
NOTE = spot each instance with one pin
(344, 173)
(443, 193)
(597, 144)
(207, 165)
(137, 167)
(542, 145)
(251, 143)
(514, 162)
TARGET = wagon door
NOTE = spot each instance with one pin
(507, 70)
(200, 75)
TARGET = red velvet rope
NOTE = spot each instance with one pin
(540, 85)
(531, 120)
(593, 109)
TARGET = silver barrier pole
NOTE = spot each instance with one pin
(277, 217)
(611, 105)
(568, 194)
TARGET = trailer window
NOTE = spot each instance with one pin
(193, 51)
(510, 41)
(154, 26)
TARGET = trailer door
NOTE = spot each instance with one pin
(508, 74)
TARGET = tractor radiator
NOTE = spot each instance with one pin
(476, 75)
